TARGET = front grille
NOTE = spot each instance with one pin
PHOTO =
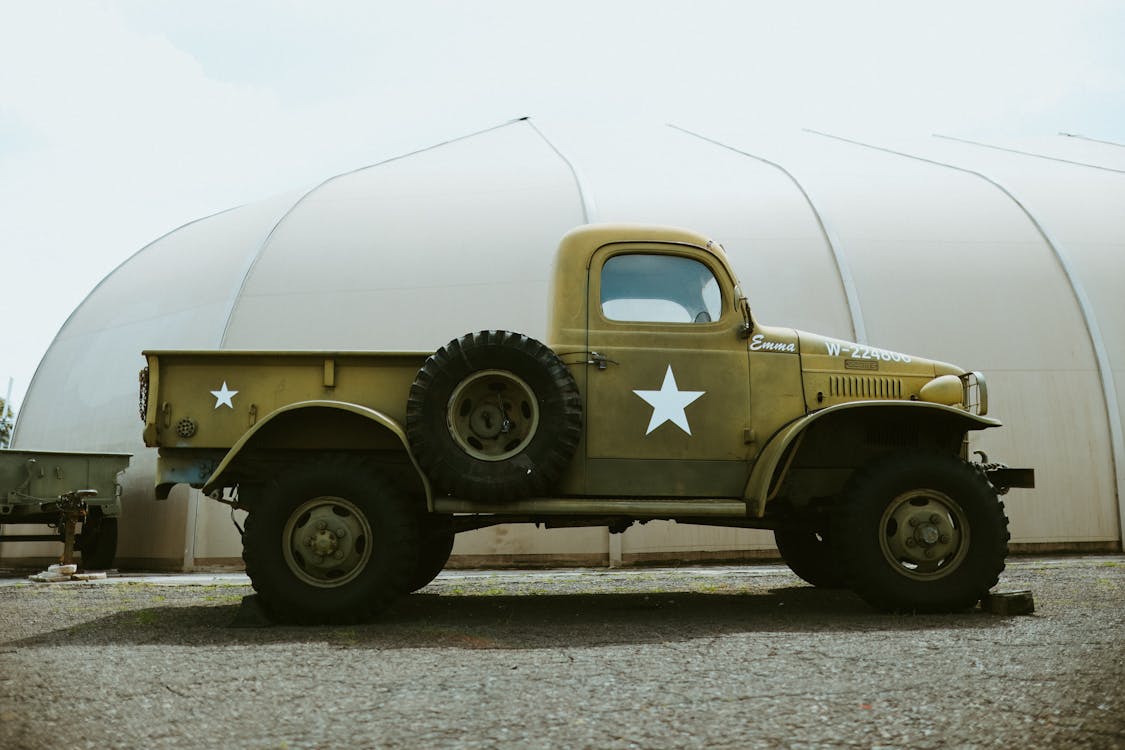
(864, 386)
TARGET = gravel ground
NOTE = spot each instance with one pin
(731, 657)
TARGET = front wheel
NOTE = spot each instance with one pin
(330, 540)
(920, 532)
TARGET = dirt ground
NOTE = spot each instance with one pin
(693, 657)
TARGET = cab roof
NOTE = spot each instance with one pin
(579, 244)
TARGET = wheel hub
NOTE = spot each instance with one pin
(487, 421)
(492, 415)
(324, 542)
(327, 541)
(927, 534)
(924, 534)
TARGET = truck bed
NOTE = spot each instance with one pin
(241, 388)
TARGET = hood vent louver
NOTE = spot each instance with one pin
(864, 387)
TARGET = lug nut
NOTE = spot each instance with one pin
(913, 521)
(340, 554)
(340, 533)
(322, 525)
(929, 552)
(945, 538)
(910, 542)
(935, 519)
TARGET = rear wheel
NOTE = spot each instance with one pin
(921, 532)
(331, 540)
(810, 555)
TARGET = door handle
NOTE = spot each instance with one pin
(600, 360)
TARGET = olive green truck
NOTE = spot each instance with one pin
(658, 395)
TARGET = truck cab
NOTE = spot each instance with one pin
(673, 365)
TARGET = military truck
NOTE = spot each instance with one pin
(659, 396)
(77, 493)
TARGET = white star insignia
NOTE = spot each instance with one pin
(223, 396)
(668, 403)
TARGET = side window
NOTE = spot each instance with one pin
(659, 289)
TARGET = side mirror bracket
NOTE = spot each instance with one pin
(747, 326)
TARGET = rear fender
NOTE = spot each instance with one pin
(304, 413)
(782, 447)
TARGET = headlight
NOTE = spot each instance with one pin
(944, 389)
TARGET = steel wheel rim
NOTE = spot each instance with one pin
(327, 542)
(492, 415)
(924, 534)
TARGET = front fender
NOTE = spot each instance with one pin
(215, 481)
(764, 475)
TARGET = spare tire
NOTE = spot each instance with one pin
(494, 415)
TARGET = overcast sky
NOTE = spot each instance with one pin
(120, 121)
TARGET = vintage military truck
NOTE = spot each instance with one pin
(77, 493)
(659, 396)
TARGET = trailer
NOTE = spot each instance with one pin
(76, 495)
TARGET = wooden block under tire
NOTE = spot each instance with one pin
(1008, 603)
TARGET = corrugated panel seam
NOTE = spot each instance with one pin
(851, 295)
(589, 211)
(1093, 330)
(269, 236)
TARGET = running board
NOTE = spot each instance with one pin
(599, 506)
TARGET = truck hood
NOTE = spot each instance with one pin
(821, 353)
(835, 371)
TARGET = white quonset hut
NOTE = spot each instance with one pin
(1007, 258)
